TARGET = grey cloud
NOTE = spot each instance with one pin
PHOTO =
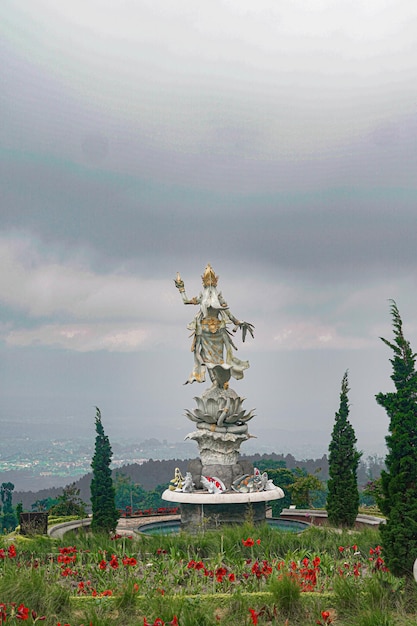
(276, 142)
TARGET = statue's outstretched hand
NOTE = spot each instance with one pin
(179, 283)
(246, 327)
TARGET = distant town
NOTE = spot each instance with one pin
(32, 463)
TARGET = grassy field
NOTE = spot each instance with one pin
(235, 576)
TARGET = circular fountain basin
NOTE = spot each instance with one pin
(215, 509)
(168, 527)
(202, 497)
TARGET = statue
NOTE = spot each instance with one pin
(188, 485)
(249, 483)
(212, 341)
(176, 483)
(212, 484)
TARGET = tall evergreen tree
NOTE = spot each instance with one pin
(343, 497)
(399, 481)
(105, 514)
(8, 520)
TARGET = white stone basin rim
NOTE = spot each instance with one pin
(197, 497)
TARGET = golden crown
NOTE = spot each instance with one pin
(209, 277)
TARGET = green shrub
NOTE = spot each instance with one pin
(286, 593)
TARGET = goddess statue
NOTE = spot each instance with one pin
(212, 341)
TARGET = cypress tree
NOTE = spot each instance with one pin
(398, 501)
(8, 520)
(343, 496)
(105, 514)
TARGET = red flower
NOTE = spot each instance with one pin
(107, 592)
(341, 548)
(221, 571)
(67, 571)
(22, 612)
(254, 616)
(67, 550)
(35, 617)
(114, 563)
(158, 622)
(232, 578)
(258, 541)
(102, 564)
(67, 558)
(12, 552)
(326, 617)
(2, 612)
(173, 622)
(248, 543)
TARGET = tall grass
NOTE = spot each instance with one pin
(162, 585)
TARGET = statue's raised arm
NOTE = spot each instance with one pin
(212, 342)
(179, 283)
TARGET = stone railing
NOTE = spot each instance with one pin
(318, 517)
(58, 530)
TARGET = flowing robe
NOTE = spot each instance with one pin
(212, 344)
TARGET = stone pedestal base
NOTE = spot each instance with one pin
(199, 517)
(202, 510)
(218, 448)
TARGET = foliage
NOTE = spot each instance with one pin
(399, 481)
(302, 487)
(134, 496)
(286, 592)
(153, 498)
(104, 510)
(305, 490)
(343, 496)
(266, 465)
(373, 491)
(44, 504)
(284, 478)
(127, 493)
(8, 520)
(69, 503)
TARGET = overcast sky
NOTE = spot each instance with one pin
(138, 138)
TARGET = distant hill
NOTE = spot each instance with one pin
(153, 473)
(148, 474)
